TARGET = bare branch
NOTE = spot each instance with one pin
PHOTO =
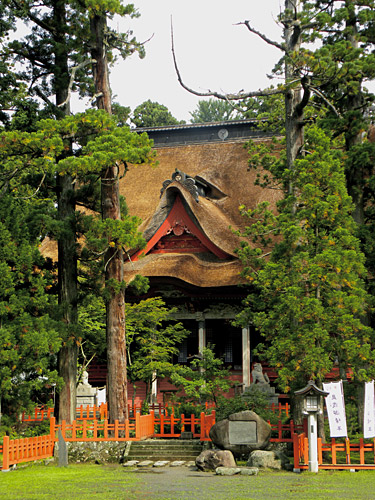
(209, 93)
(318, 93)
(262, 36)
(72, 77)
(36, 191)
(109, 260)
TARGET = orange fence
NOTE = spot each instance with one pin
(285, 431)
(279, 409)
(82, 413)
(94, 430)
(172, 427)
(336, 455)
(16, 451)
(160, 407)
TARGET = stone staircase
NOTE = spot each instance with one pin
(165, 449)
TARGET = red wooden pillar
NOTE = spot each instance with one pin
(5, 453)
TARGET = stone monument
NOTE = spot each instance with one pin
(86, 394)
(241, 433)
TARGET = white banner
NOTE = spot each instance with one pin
(369, 414)
(336, 409)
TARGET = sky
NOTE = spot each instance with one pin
(212, 52)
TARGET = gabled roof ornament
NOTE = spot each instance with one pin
(191, 184)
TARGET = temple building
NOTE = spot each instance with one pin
(189, 205)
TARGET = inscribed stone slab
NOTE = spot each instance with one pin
(242, 432)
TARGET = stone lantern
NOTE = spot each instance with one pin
(311, 406)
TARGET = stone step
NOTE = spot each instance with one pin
(135, 452)
(170, 458)
(166, 447)
(169, 442)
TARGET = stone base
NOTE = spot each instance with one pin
(186, 435)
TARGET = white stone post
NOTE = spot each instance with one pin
(201, 335)
(154, 388)
(246, 357)
(313, 442)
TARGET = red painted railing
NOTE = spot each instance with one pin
(41, 413)
(135, 429)
(82, 413)
(16, 451)
(336, 455)
(285, 432)
(172, 427)
(85, 430)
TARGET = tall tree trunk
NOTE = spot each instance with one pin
(114, 259)
(67, 258)
(355, 177)
(352, 138)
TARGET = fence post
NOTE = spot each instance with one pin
(361, 451)
(296, 452)
(320, 452)
(152, 413)
(203, 426)
(5, 453)
(52, 423)
(138, 426)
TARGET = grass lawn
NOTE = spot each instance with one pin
(87, 482)
(76, 482)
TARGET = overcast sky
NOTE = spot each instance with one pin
(212, 52)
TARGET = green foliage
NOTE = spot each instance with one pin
(309, 294)
(256, 401)
(153, 114)
(204, 380)
(91, 317)
(152, 339)
(213, 110)
(29, 337)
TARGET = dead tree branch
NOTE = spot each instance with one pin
(262, 36)
(211, 93)
(72, 77)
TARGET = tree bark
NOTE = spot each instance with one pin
(114, 259)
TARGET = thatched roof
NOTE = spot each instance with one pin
(223, 165)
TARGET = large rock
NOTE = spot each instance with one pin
(210, 460)
(241, 433)
(264, 460)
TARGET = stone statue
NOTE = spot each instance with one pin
(260, 378)
(86, 394)
(260, 382)
(85, 378)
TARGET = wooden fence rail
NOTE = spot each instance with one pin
(95, 430)
(82, 413)
(16, 451)
(335, 455)
(101, 412)
(285, 431)
(172, 427)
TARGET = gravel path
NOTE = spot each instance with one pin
(182, 483)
